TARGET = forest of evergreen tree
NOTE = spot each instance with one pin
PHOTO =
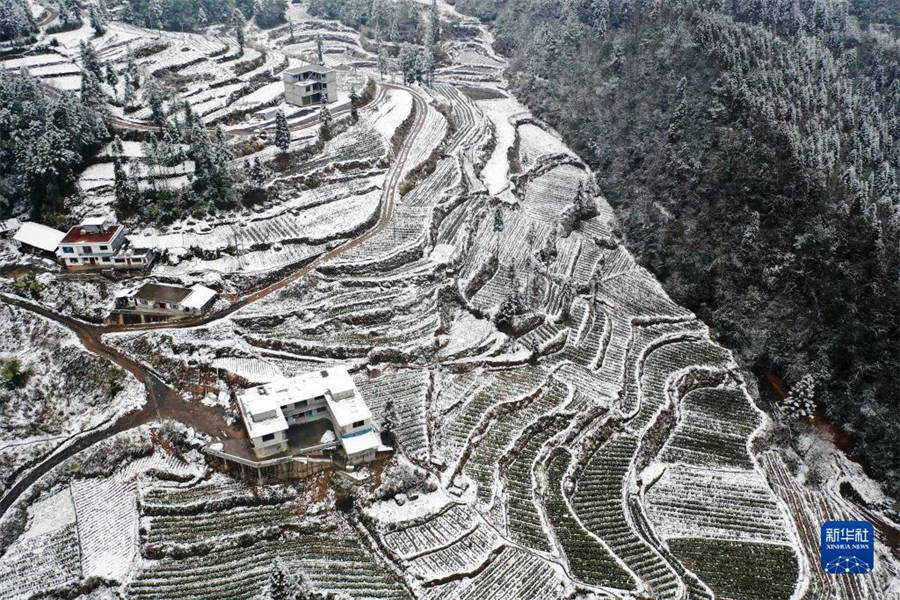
(750, 151)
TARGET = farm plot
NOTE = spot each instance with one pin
(107, 525)
(722, 565)
(331, 561)
(712, 429)
(666, 360)
(714, 503)
(400, 398)
(35, 564)
(410, 540)
(616, 336)
(638, 294)
(547, 196)
(535, 142)
(523, 517)
(509, 385)
(589, 560)
(598, 502)
(46, 555)
(452, 389)
(808, 510)
(502, 431)
(517, 573)
(464, 554)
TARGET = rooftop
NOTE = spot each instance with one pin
(360, 442)
(305, 68)
(334, 383)
(198, 297)
(95, 221)
(349, 410)
(39, 236)
(156, 292)
(78, 235)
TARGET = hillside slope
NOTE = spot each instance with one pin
(751, 154)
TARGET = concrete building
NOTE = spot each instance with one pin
(97, 243)
(277, 413)
(160, 302)
(309, 84)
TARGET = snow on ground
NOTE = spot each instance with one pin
(388, 116)
(500, 111)
(57, 366)
(49, 515)
(107, 525)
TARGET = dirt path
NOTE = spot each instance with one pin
(163, 401)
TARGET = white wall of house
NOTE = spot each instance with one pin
(270, 444)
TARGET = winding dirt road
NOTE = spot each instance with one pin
(163, 401)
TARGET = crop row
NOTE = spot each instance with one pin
(637, 293)
(40, 563)
(330, 562)
(588, 560)
(464, 554)
(513, 573)
(107, 524)
(666, 360)
(507, 386)
(712, 430)
(599, 504)
(504, 430)
(405, 392)
(447, 526)
(725, 566)
(727, 504)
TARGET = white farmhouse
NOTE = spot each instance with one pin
(309, 84)
(97, 243)
(271, 411)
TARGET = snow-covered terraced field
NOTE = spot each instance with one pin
(584, 432)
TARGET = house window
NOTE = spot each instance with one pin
(105, 259)
(104, 247)
(268, 437)
(120, 260)
(87, 250)
(358, 424)
(68, 250)
(73, 261)
(320, 409)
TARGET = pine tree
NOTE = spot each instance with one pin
(116, 148)
(281, 585)
(124, 204)
(325, 132)
(408, 63)
(97, 21)
(319, 50)
(382, 60)
(354, 102)
(800, 403)
(111, 78)
(434, 22)
(282, 133)
(498, 220)
(91, 93)
(89, 59)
